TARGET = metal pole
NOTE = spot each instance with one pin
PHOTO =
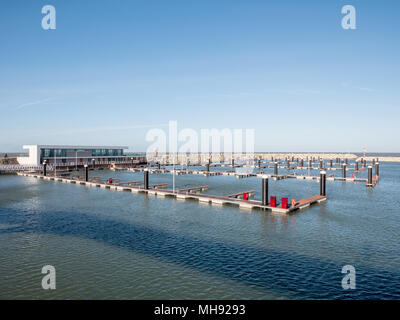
(264, 191)
(343, 170)
(146, 179)
(276, 168)
(369, 175)
(173, 176)
(44, 168)
(322, 183)
(55, 162)
(86, 173)
(377, 169)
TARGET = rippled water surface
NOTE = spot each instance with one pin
(109, 244)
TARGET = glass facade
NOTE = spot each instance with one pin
(64, 153)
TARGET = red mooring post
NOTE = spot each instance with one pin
(284, 202)
(272, 201)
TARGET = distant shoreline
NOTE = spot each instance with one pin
(382, 157)
(216, 157)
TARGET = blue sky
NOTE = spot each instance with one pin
(114, 69)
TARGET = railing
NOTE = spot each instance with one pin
(50, 166)
(20, 167)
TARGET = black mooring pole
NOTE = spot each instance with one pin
(343, 170)
(276, 168)
(264, 191)
(44, 168)
(322, 183)
(370, 175)
(86, 173)
(146, 179)
(377, 168)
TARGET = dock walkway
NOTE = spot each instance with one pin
(184, 195)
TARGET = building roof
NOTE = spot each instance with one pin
(74, 147)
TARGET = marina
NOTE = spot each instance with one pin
(207, 206)
(200, 154)
(238, 199)
(187, 193)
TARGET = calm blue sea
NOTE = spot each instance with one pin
(118, 245)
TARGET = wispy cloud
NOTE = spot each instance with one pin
(356, 87)
(33, 103)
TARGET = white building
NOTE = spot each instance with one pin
(72, 155)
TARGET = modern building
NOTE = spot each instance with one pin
(72, 155)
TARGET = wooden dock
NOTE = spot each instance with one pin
(184, 195)
(193, 189)
(128, 183)
(239, 195)
(158, 186)
(239, 175)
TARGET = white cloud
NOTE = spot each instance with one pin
(33, 103)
